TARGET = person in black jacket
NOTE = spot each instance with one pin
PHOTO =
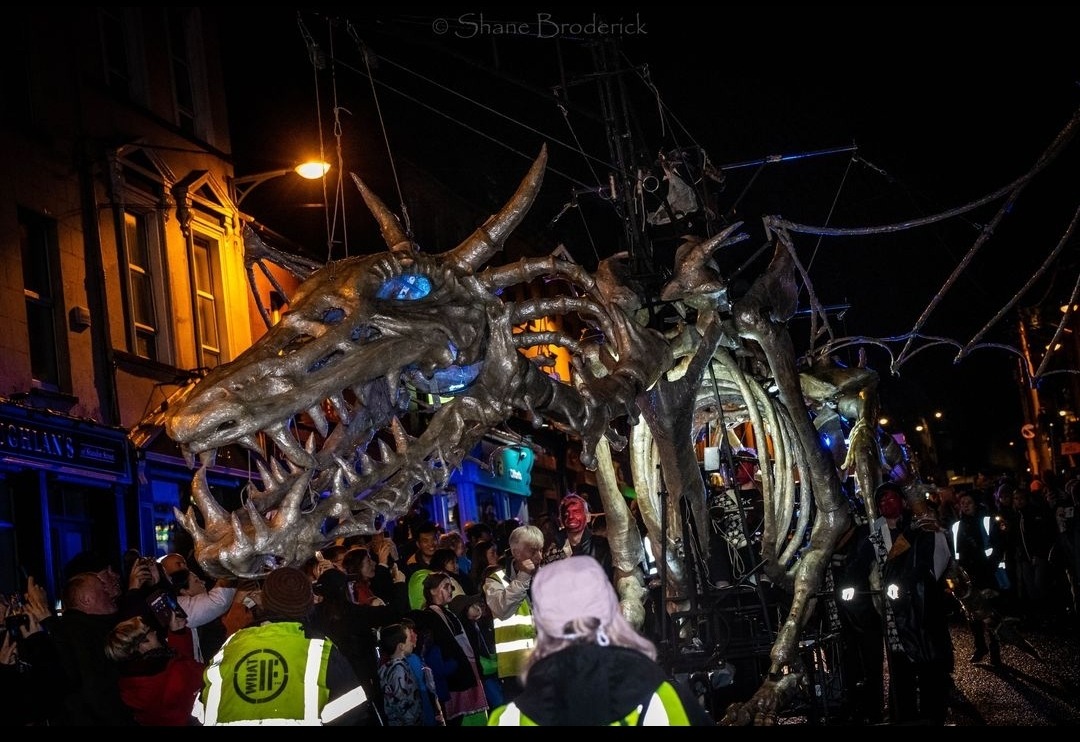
(450, 655)
(979, 548)
(353, 628)
(92, 692)
(577, 538)
(31, 674)
(590, 667)
(903, 559)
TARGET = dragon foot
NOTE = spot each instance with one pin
(764, 707)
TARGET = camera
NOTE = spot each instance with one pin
(163, 604)
(13, 623)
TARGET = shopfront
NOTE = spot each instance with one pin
(493, 484)
(63, 482)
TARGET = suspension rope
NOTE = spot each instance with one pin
(367, 54)
(823, 317)
(495, 112)
(318, 61)
(339, 188)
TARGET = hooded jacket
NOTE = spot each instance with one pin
(591, 685)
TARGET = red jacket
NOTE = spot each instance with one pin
(162, 694)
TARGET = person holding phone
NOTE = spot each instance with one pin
(159, 676)
(30, 667)
(205, 609)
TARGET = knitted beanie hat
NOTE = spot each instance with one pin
(287, 593)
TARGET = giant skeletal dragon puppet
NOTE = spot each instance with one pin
(328, 384)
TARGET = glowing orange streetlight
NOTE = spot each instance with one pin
(312, 170)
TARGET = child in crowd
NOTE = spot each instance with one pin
(407, 685)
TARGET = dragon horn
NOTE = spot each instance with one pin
(389, 226)
(703, 251)
(488, 239)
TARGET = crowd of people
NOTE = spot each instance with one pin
(1001, 558)
(510, 624)
(415, 627)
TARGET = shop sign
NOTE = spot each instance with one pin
(62, 442)
(509, 469)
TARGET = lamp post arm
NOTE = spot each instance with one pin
(243, 185)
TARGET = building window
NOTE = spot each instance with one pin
(177, 20)
(37, 238)
(207, 326)
(121, 59)
(143, 317)
(188, 70)
(141, 264)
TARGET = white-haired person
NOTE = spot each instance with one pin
(590, 667)
(506, 592)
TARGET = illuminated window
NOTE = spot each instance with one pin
(207, 325)
(142, 315)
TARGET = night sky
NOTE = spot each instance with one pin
(925, 110)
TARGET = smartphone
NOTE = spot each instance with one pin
(14, 622)
(163, 604)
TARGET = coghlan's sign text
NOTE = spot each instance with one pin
(31, 440)
(63, 442)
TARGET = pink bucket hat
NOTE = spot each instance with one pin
(572, 588)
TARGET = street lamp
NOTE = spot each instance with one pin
(312, 170)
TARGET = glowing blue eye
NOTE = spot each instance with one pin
(410, 287)
(446, 381)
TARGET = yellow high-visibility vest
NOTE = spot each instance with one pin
(514, 636)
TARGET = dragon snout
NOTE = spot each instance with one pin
(207, 419)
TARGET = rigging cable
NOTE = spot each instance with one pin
(488, 109)
(823, 317)
(366, 54)
(525, 156)
(577, 141)
(339, 190)
(318, 62)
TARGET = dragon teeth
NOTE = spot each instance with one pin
(365, 462)
(392, 383)
(277, 472)
(338, 403)
(346, 470)
(251, 443)
(318, 418)
(290, 446)
(264, 474)
(401, 438)
(385, 453)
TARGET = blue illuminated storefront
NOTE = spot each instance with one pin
(494, 483)
(63, 486)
